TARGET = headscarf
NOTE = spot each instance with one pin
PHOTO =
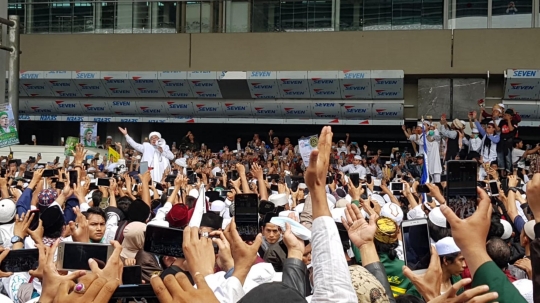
(133, 239)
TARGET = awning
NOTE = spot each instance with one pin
(213, 111)
(345, 84)
(522, 84)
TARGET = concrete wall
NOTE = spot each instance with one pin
(425, 52)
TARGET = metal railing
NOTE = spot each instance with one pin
(13, 47)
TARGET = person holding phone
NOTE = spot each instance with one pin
(157, 156)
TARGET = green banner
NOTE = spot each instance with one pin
(8, 132)
(71, 144)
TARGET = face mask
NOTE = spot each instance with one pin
(431, 133)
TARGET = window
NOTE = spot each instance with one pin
(511, 14)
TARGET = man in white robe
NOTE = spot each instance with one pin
(433, 154)
(158, 157)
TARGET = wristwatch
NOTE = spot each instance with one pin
(16, 239)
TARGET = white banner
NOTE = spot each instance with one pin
(306, 145)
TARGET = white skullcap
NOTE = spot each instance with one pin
(392, 211)
(302, 186)
(419, 124)
(436, 217)
(507, 229)
(501, 105)
(299, 208)
(377, 198)
(475, 131)
(357, 157)
(337, 214)
(154, 134)
(446, 246)
(278, 199)
(297, 229)
(194, 193)
(217, 206)
(342, 203)
(181, 162)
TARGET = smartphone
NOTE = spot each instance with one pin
(494, 188)
(170, 191)
(212, 195)
(48, 173)
(192, 177)
(73, 177)
(461, 187)
(29, 175)
(164, 241)
(59, 185)
(246, 215)
(274, 187)
(132, 275)
(134, 188)
(422, 189)
(158, 186)
(35, 221)
(218, 174)
(294, 185)
(224, 193)
(417, 253)
(103, 182)
(20, 260)
(233, 175)
(355, 179)
(396, 186)
(329, 179)
(143, 167)
(368, 178)
(288, 181)
(75, 255)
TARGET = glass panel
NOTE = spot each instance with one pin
(105, 16)
(62, 17)
(199, 17)
(320, 16)
(83, 13)
(164, 17)
(350, 15)
(265, 16)
(293, 16)
(237, 16)
(142, 17)
(124, 16)
(511, 14)
(377, 14)
(432, 14)
(469, 14)
(406, 14)
(16, 7)
(41, 18)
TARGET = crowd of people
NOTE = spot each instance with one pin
(326, 230)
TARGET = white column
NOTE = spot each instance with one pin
(490, 13)
(357, 14)
(124, 16)
(336, 14)
(97, 16)
(154, 16)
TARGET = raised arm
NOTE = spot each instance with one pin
(137, 146)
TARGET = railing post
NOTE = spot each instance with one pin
(14, 67)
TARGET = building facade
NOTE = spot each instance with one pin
(172, 61)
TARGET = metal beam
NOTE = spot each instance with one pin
(13, 68)
(7, 22)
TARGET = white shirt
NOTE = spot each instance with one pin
(331, 276)
(159, 161)
(351, 168)
(516, 154)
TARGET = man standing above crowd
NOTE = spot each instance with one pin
(157, 156)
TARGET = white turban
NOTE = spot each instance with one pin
(154, 134)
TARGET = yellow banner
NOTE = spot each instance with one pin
(113, 155)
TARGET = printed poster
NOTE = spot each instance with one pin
(88, 134)
(113, 155)
(8, 132)
(71, 144)
(306, 145)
